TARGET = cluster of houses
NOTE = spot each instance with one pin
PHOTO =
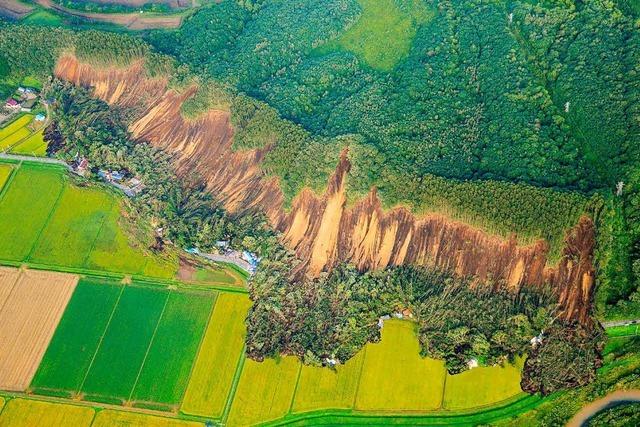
(131, 186)
(24, 99)
(246, 260)
(402, 314)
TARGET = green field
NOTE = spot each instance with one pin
(395, 377)
(220, 352)
(624, 331)
(124, 347)
(482, 386)
(47, 220)
(265, 390)
(112, 252)
(73, 228)
(25, 208)
(33, 146)
(14, 126)
(5, 173)
(383, 34)
(166, 370)
(77, 337)
(322, 388)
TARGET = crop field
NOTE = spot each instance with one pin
(77, 337)
(29, 413)
(482, 386)
(116, 365)
(25, 208)
(112, 251)
(322, 388)
(221, 349)
(110, 418)
(47, 220)
(29, 317)
(15, 131)
(395, 377)
(265, 390)
(174, 348)
(5, 173)
(8, 278)
(73, 227)
(35, 145)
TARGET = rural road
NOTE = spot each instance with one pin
(623, 396)
(33, 159)
(620, 323)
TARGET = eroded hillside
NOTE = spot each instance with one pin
(322, 229)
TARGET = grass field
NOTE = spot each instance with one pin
(16, 125)
(33, 146)
(5, 173)
(395, 377)
(25, 208)
(112, 251)
(124, 346)
(383, 34)
(73, 228)
(220, 352)
(265, 391)
(322, 388)
(166, 370)
(30, 413)
(109, 418)
(47, 220)
(624, 331)
(482, 386)
(77, 337)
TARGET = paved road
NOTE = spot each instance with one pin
(623, 396)
(620, 323)
(33, 159)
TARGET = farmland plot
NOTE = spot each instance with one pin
(72, 230)
(324, 388)
(25, 208)
(221, 349)
(110, 418)
(265, 390)
(35, 145)
(15, 126)
(29, 318)
(14, 138)
(166, 369)
(124, 347)
(29, 413)
(5, 173)
(77, 337)
(482, 386)
(395, 377)
(8, 278)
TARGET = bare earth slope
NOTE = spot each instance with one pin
(321, 229)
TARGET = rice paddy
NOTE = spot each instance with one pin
(29, 413)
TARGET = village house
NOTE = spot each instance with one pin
(80, 166)
(12, 104)
(27, 105)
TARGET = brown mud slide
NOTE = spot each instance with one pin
(322, 229)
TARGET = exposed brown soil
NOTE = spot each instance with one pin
(132, 21)
(13, 9)
(321, 229)
(29, 318)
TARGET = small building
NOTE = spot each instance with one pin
(406, 313)
(117, 176)
(28, 105)
(40, 117)
(80, 166)
(398, 315)
(12, 103)
(252, 259)
(330, 361)
(21, 90)
(472, 363)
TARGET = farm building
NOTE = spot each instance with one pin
(12, 103)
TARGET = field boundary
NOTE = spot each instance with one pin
(234, 386)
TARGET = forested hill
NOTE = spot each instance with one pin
(540, 92)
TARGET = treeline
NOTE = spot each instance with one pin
(83, 126)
